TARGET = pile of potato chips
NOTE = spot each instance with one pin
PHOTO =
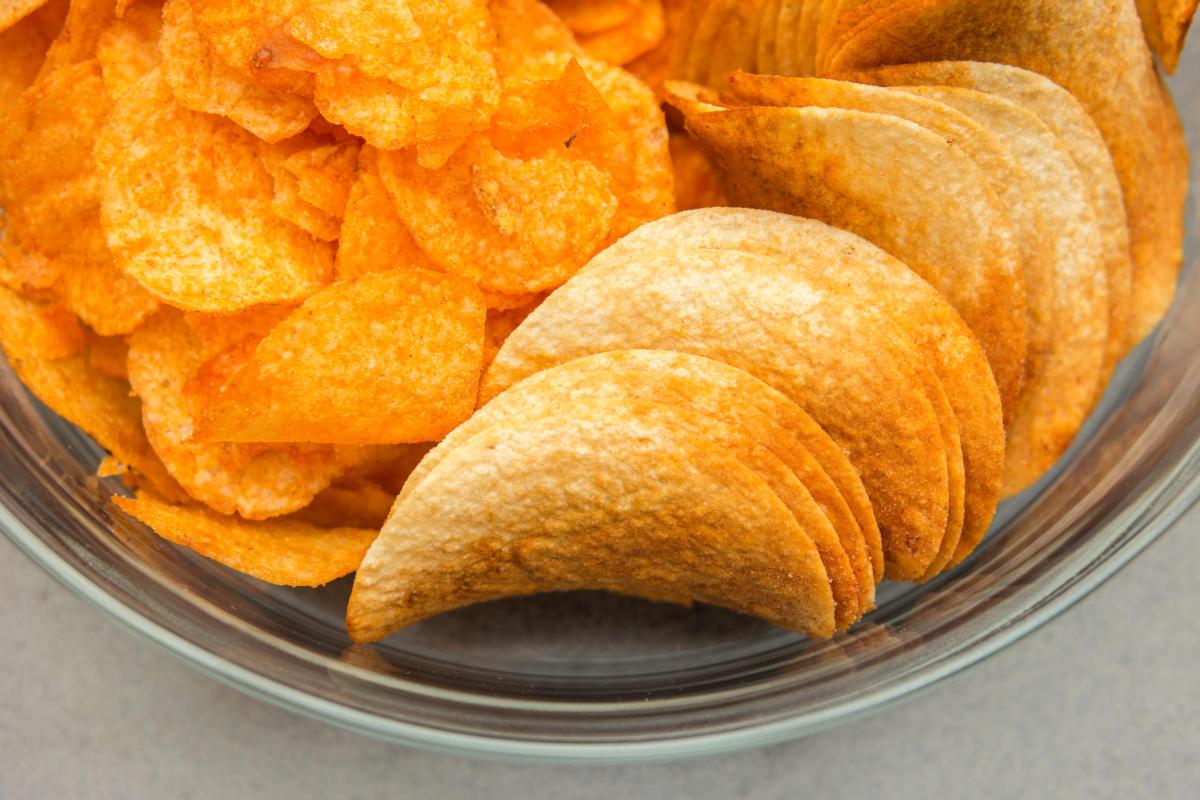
(269, 252)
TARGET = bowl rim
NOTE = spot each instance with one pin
(1174, 495)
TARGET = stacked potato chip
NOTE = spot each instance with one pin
(268, 252)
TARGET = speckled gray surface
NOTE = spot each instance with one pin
(1104, 702)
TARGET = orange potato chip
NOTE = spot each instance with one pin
(108, 300)
(1166, 23)
(373, 236)
(395, 74)
(356, 503)
(23, 49)
(630, 40)
(526, 30)
(748, 415)
(896, 184)
(499, 301)
(283, 552)
(255, 481)
(654, 67)
(1093, 48)
(695, 523)
(759, 314)
(13, 11)
(197, 231)
(696, 184)
(499, 326)
(594, 16)
(389, 357)
(312, 179)
(216, 333)
(201, 81)
(393, 475)
(128, 47)
(29, 329)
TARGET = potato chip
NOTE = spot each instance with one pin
(1004, 174)
(746, 410)
(312, 179)
(283, 552)
(594, 16)
(357, 503)
(394, 474)
(23, 48)
(654, 68)
(12, 12)
(894, 183)
(1166, 23)
(696, 184)
(194, 230)
(527, 30)
(1055, 402)
(499, 326)
(630, 40)
(255, 481)
(695, 523)
(397, 74)
(29, 329)
(1075, 130)
(128, 47)
(871, 275)
(201, 81)
(109, 301)
(758, 314)
(1093, 48)
(387, 358)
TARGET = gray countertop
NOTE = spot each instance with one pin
(1101, 703)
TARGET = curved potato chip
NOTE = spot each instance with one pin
(29, 329)
(1077, 132)
(283, 552)
(695, 523)
(387, 358)
(355, 503)
(750, 414)
(896, 184)
(758, 314)
(1166, 23)
(255, 481)
(873, 277)
(1093, 48)
(1055, 402)
(196, 231)
(201, 81)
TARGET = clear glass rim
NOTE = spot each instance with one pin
(1143, 520)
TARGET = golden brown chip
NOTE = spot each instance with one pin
(195, 229)
(1166, 23)
(758, 314)
(201, 81)
(695, 523)
(696, 185)
(746, 412)
(1075, 130)
(872, 276)
(255, 481)
(1093, 48)
(283, 552)
(387, 358)
(896, 184)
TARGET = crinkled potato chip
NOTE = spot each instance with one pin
(873, 276)
(758, 314)
(186, 207)
(1093, 48)
(283, 552)
(747, 411)
(527, 507)
(1077, 132)
(255, 481)
(201, 81)
(387, 358)
(1166, 23)
(397, 74)
(896, 184)
(373, 236)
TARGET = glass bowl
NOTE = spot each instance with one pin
(593, 677)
